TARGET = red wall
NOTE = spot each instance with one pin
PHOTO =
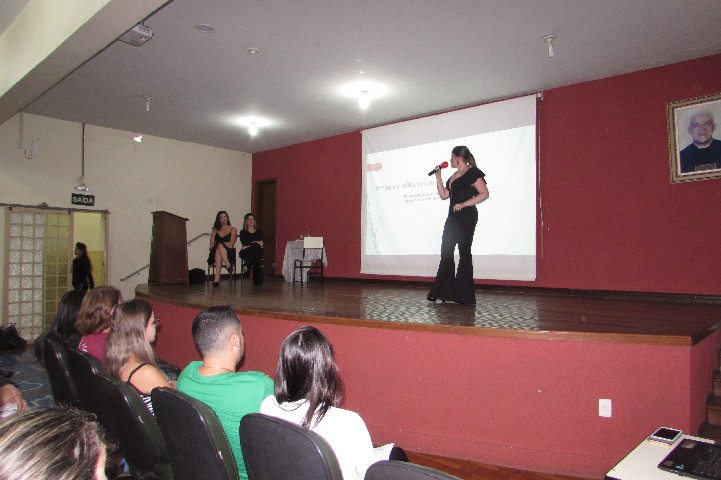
(609, 218)
(529, 404)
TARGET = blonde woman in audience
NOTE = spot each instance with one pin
(308, 391)
(94, 317)
(129, 354)
(61, 443)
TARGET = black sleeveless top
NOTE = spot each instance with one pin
(146, 398)
(462, 188)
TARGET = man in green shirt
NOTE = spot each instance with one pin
(218, 337)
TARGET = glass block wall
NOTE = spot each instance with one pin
(38, 265)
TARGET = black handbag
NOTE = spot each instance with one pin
(10, 339)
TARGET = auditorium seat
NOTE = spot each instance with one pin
(55, 356)
(194, 438)
(394, 470)
(274, 449)
(82, 367)
(139, 437)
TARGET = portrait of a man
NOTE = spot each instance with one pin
(704, 152)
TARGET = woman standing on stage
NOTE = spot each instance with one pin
(222, 239)
(466, 188)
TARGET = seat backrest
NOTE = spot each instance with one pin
(82, 367)
(194, 438)
(55, 356)
(393, 470)
(274, 449)
(134, 427)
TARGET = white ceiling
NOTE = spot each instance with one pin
(432, 56)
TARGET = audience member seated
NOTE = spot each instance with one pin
(218, 336)
(251, 248)
(63, 326)
(222, 238)
(94, 317)
(11, 399)
(129, 354)
(308, 391)
(61, 443)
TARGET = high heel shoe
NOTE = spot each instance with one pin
(216, 284)
(433, 299)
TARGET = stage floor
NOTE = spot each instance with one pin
(522, 313)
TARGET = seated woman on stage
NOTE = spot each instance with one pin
(129, 354)
(94, 317)
(308, 391)
(251, 250)
(222, 239)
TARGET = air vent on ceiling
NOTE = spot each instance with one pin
(138, 35)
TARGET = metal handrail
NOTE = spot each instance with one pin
(148, 265)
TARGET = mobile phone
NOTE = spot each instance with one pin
(665, 435)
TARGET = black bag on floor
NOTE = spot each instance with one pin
(10, 339)
(196, 275)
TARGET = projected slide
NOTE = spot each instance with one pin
(403, 215)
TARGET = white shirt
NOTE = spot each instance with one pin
(345, 432)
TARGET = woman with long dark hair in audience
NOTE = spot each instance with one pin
(82, 268)
(63, 326)
(61, 443)
(129, 354)
(222, 240)
(94, 317)
(308, 391)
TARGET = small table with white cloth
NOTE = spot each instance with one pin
(293, 251)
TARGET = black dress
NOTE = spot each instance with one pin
(219, 239)
(251, 256)
(82, 274)
(458, 230)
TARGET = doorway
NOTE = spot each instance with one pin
(265, 214)
(38, 251)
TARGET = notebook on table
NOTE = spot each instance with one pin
(695, 459)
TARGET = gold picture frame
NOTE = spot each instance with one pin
(694, 152)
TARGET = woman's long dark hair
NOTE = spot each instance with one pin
(463, 152)
(307, 370)
(84, 253)
(216, 225)
(63, 327)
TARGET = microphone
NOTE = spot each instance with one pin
(442, 165)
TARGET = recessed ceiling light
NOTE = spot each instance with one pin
(253, 50)
(205, 28)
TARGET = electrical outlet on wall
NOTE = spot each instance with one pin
(604, 407)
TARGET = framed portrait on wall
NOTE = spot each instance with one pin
(694, 139)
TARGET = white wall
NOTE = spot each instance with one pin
(128, 179)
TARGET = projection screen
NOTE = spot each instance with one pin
(403, 215)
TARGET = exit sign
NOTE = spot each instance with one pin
(82, 199)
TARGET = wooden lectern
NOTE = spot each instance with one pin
(169, 250)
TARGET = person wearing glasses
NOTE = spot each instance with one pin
(704, 153)
(129, 354)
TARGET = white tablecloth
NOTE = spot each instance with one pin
(294, 250)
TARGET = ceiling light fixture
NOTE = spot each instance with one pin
(549, 42)
(81, 187)
(253, 129)
(253, 50)
(364, 99)
(205, 28)
(138, 138)
(252, 123)
(147, 98)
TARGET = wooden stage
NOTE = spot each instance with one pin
(519, 313)
(514, 381)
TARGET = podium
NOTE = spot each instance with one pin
(168, 250)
